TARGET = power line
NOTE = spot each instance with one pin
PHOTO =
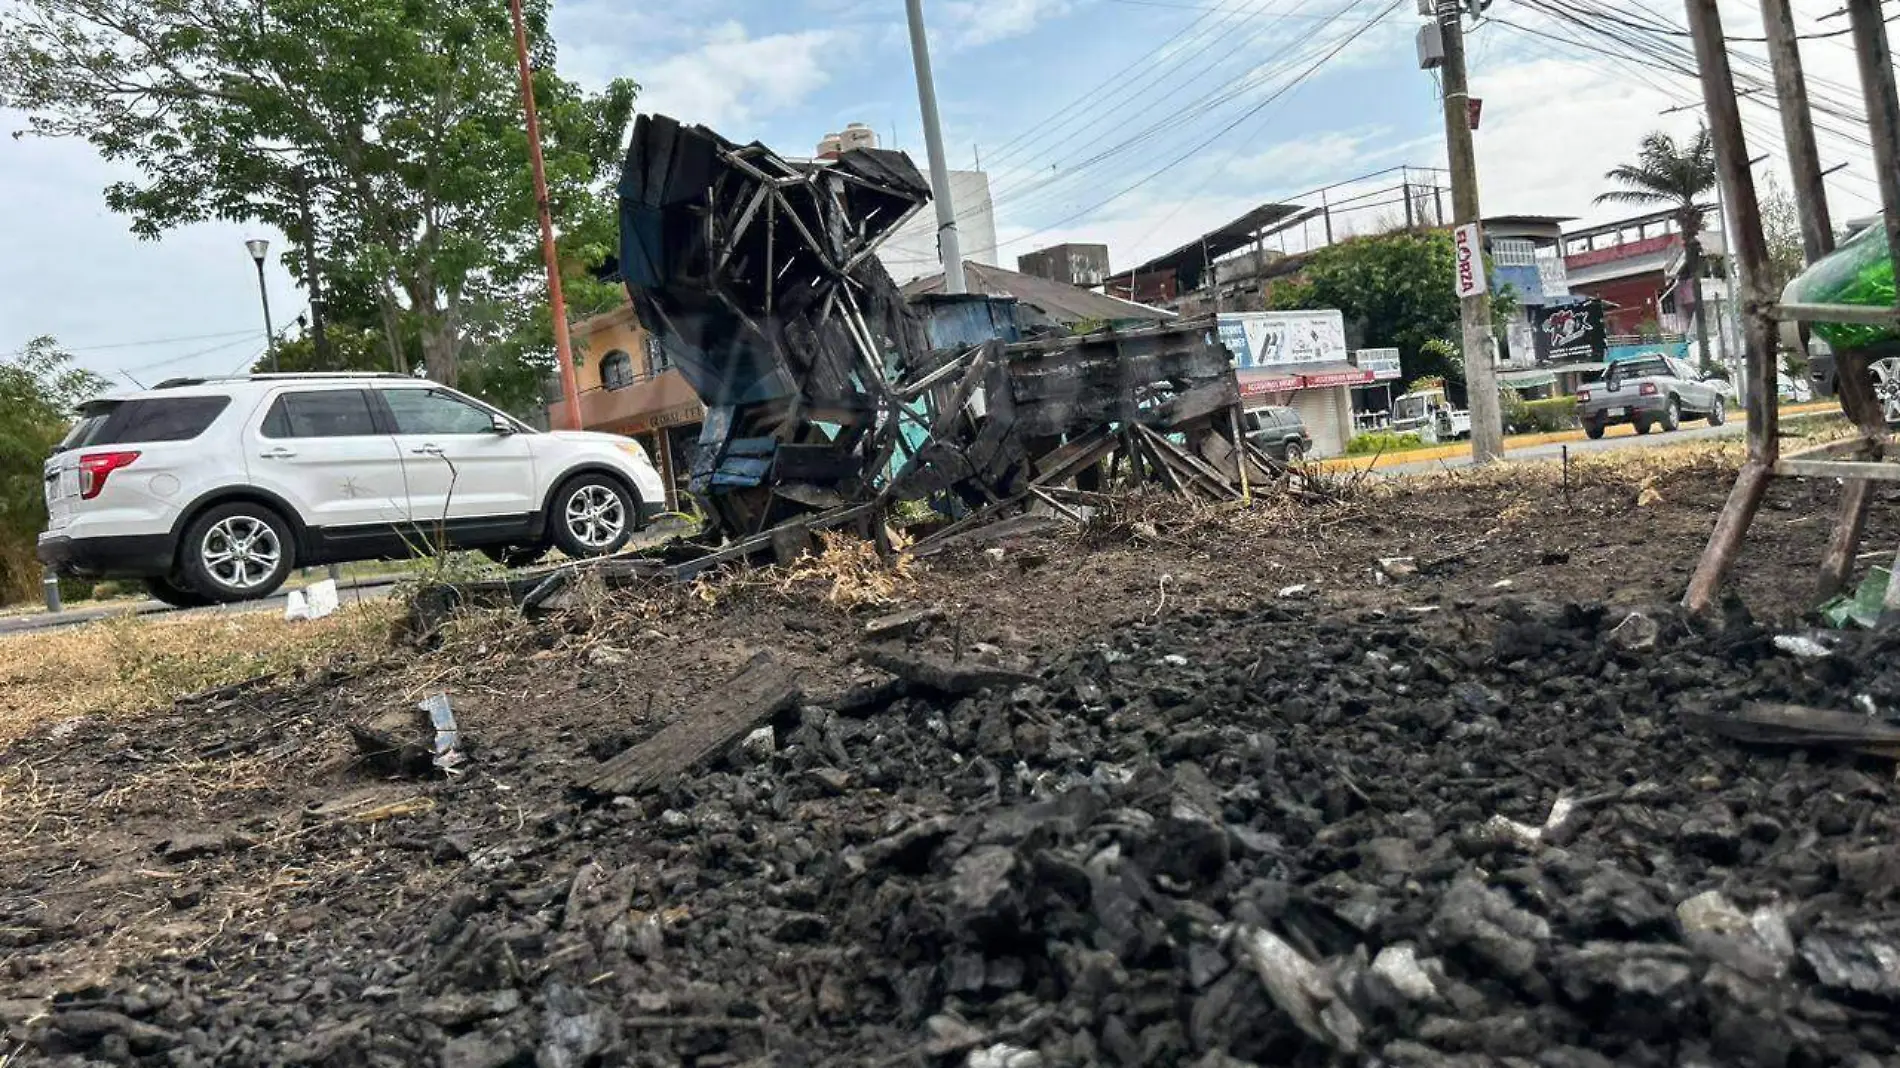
(1256, 76)
(1322, 61)
(140, 344)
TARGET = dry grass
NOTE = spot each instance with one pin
(121, 667)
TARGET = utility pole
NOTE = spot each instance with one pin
(1487, 424)
(311, 279)
(563, 349)
(948, 247)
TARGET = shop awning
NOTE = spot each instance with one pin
(1323, 375)
(1537, 376)
(1256, 384)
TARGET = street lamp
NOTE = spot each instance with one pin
(258, 247)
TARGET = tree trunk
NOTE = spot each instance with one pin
(439, 349)
(1692, 269)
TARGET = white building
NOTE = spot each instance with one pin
(911, 252)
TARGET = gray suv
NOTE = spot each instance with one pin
(1279, 432)
(1648, 391)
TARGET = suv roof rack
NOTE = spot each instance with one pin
(277, 376)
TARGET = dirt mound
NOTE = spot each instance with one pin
(1268, 835)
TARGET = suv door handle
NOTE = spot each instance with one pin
(278, 452)
(427, 450)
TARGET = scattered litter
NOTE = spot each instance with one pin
(759, 746)
(1862, 607)
(1635, 633)
(1801, 645)
(1175, 660)
(1398, 566)
(446, 753)
(1294, 591)
(314, 601)
(1502, 584)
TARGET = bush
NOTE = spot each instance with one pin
(1553, 414)
(1379, 441)
(1514, 409)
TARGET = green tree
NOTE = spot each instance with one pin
(1781, 225)
(1676, 175)
(397, 121)
(39, 388)
(1395, 289)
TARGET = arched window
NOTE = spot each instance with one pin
(616, 370)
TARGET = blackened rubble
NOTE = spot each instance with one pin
(1269, 837)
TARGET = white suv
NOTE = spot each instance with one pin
(214, 489)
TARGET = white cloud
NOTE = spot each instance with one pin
(971, 23)
(729, 77)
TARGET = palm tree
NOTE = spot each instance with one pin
(1666, 172)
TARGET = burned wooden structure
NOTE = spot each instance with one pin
(1857, 462)
(825, 399)
(755, 275)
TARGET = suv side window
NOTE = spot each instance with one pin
(151, 420)
(323, 413)
(424, 411)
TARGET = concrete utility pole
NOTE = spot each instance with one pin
(948, 247)
(1481, 376)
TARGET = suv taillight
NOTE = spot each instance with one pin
(1648, 389)
(94, 467)
(1583, 395)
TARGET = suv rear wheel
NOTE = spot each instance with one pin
(593, 515)
(513, 556)
(168, 592)
(1295, 451)
(237, 552)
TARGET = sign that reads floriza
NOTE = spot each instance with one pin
(1468, 240)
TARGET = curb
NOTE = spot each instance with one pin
(1518, 441)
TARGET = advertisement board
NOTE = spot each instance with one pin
(1383, 363)
(1567, 333)
(1283, 340)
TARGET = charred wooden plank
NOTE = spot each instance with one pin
(955, 679)
(896, 623)
(1802, 726)
(765, 688)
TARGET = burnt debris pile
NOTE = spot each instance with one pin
(1265, 838)
(828, 397)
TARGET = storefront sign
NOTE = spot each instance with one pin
(1570, 332)
(1283, 340)
(1468, 240)
(1383, 363)
(1261, 385)
(1336, 378)
(678, 415)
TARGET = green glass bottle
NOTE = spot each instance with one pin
(1859, 272)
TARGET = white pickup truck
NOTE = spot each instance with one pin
(1429, 414)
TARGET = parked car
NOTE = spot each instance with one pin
(213, 490)
(1648, 391)
(1280, 433)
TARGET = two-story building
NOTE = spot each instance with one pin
(627, 386)
(1631, 266)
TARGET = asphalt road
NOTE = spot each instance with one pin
(1655, 438)
(348, 593)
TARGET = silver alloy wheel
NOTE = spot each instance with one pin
(1886, 376)
(241, 552)
(595, 516)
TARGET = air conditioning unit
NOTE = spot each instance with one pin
(1431, 46)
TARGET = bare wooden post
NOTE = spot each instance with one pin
(1817, 240)
(1751, 252)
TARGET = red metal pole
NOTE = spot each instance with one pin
(563, 349)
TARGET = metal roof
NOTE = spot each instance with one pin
(1219, 241)
(1058, 300)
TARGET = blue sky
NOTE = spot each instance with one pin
(1038, 88)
